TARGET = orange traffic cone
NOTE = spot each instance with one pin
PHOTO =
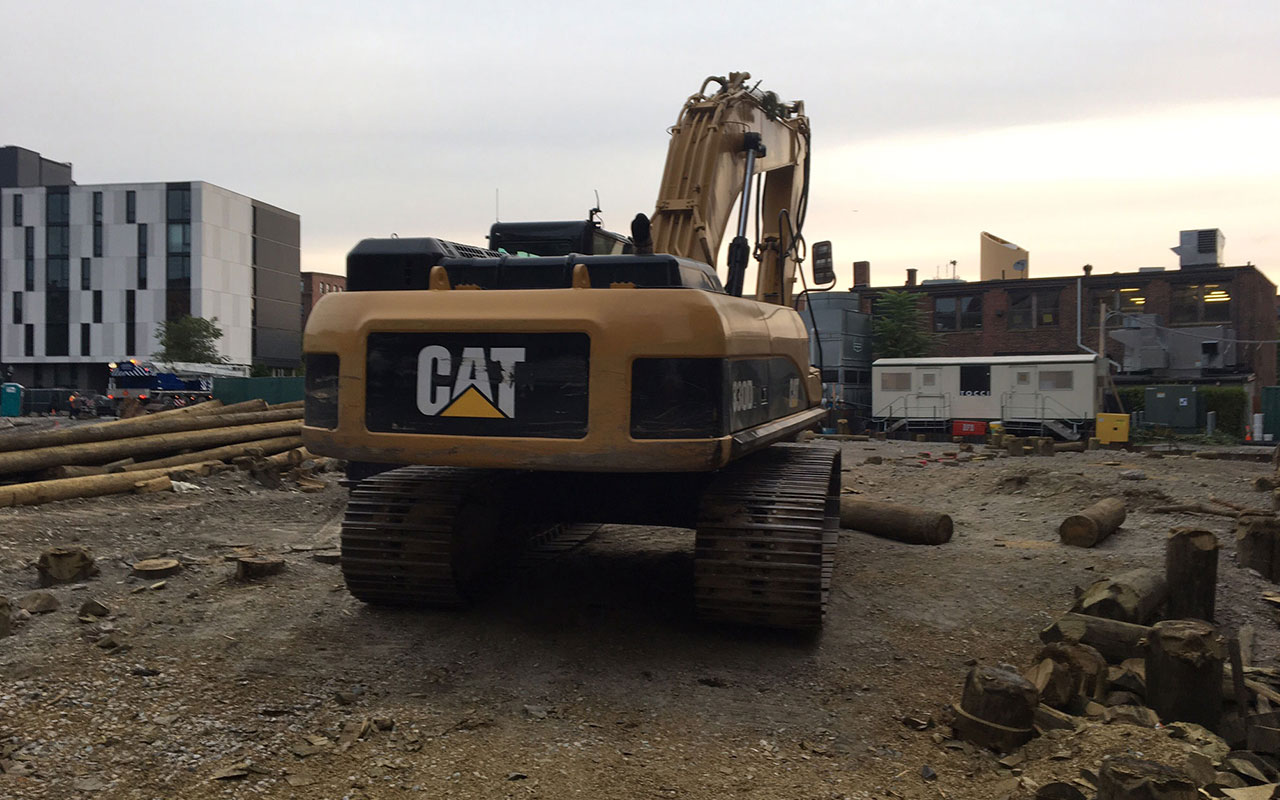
(1248, 434)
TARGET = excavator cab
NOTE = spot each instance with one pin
(556, 239)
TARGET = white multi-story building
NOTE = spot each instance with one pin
(88, 272)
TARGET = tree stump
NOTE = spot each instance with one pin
(1258, 545)
(1014, 446)
(1132, 596)
(1094, 524)
(153, 568)
(893, 521)
(250, 567)
(1129, 778)
(1043, 446)
(65, 565)
(1184, 672)
(1115, 640)
(997, 710)
(1191, 572)
(1094, 443)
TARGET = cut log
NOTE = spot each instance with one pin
(153, 568)
(1043, 446)
(142, 426)
(1093, 524)
(206, 407)
(1115, 640)
(893, 521)
(303, 403)
(102, 452)
(1258, 545)
(65, 565)
(1069, 447)
(6, 625)
(1266, 483)
(117, 465)
(1130, 778)
(1086, 668)
(242, 408)
(1184, 672)
(1132, 596)
(153, 485)
(32, 494)
(1195, 508)
(1053, 683)
(1015, 446)
(250, 567)
(997, 710)
(59, 472)
(1191, 572)
(225, 453)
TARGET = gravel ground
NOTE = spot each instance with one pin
(584, 676)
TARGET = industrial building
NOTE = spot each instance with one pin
(316, 285)
(88, 272)
(1202, 322)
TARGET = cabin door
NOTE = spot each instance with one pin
(1022, 401)
(930, 400)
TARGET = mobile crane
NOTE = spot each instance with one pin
(604, 386)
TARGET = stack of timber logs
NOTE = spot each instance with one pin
(139, 454)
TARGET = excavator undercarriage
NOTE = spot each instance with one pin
(765, 527)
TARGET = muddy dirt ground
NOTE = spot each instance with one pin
(584, 676)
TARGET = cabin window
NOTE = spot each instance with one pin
(975, 380)
(895, 381)
(957, 313)
(1033, 309)
(1055, 380)
(929, 379)
(1024, 379)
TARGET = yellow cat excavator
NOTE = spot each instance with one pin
(568, 374)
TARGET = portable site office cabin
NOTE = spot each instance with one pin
(1057, 392)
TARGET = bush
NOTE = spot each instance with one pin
(1232, 406)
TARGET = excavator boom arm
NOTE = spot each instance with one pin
(708, 167)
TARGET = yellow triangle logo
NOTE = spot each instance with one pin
(472, 404)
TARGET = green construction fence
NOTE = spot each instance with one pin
(273, 390)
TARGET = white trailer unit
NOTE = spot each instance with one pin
(1026, 393)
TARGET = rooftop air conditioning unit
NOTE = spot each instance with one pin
(1200, 248)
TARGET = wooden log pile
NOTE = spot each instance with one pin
(140, 454)
(1141, 648)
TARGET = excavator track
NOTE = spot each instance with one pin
(767, 532)
(422, 536)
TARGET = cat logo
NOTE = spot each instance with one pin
(463, 386)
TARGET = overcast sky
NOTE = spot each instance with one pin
(1083, 131)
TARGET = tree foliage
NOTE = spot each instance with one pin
(189, 339)
(898, 326)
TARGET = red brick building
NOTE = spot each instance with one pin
(316, 285)
(1211, 323)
